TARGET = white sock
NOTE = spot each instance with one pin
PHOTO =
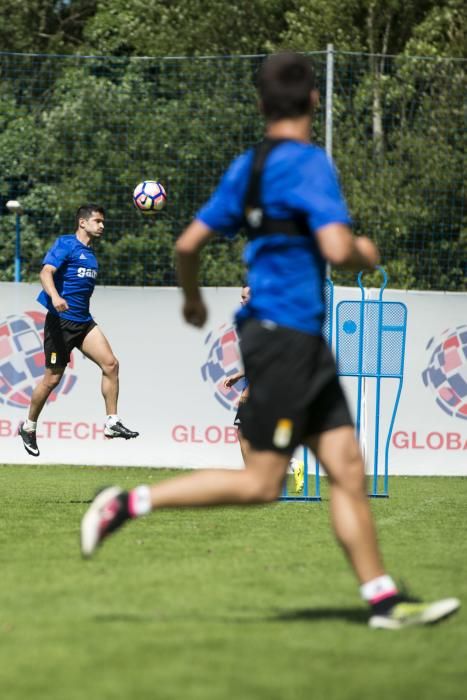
(378, 589)
(139, 501)
(29, 425)
(112, 419)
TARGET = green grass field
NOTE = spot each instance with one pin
(222, 603)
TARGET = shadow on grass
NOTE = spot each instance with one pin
(66, 502)
(354, 615)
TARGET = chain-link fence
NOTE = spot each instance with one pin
(75, 129)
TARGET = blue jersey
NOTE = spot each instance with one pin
(285, 273)
(74, 279)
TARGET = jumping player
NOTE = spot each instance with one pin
(68, 278)
(287, 193)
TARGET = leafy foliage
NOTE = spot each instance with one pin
(179, 28)
(74, 129)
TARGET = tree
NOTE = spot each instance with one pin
(379, 27)
(441, 32)
(398, 153)
(75, 128)
(180, 28)
(41, 26)
(106, 125)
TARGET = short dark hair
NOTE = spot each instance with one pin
(285, 82)
(85, 211)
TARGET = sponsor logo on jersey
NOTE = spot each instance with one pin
(86, 272)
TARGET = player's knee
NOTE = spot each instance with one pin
(352, 476)
(259, 488)
(272, 492)
(51, 381)
(111, 367)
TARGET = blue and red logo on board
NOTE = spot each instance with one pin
(223, 360)
(22, 359)
(446, 374)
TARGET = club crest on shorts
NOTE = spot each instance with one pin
(283, 432)
(53, 358)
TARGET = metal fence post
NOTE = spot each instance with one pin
(14, 207)
(18, 249)
(328, 115)
(329, 96)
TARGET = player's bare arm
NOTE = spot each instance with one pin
(46, 277)
(188, 246)
(341, 248)
(233, 379)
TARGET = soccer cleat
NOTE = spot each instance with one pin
(29, 440)
(107, 513)
(118, 430)
(408, 613)
(298, 474)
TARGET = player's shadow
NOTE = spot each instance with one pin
(355, 615)
(138, 618)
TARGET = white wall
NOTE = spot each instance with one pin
(164, 396)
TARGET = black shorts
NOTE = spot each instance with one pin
(61, 336)
(294, 388)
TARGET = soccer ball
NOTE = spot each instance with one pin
(149, 197)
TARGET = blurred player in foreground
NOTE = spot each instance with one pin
(287, 193)
(68, 278)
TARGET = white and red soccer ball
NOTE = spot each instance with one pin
(149, 197)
